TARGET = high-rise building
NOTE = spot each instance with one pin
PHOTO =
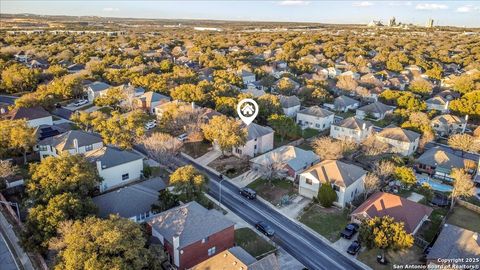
(430, 23)
(392, 22)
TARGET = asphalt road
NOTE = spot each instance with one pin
(310, 250)
(6, 257)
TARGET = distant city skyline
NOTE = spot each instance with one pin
(455, 13)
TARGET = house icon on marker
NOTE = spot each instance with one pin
(248, 109)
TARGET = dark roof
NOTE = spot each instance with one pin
(29, 113)
(454, 242)
(63, 113)
(7, 99)
(46, 131)
(66, 140)
(131, 200)
(111, 157)
(191, 222)
(256, 131)
(436, 156)
(316, 111)
(289, 101)
(344, 101)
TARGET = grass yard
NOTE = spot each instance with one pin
(231, 166)
(328, 222)
(305, 146)
(465, 218)
(196, 149)
(432, 227)
(160, 172)
(277, 141)
(309, 133)
(412, 255)
(252, 242)
(275, 191)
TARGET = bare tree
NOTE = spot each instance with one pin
(273, 168)
(329, 148)
(373, 147)
(463, 185)
(384, 169)
(464, 143)
(161, 147)
(371, 184)
(6, 170)
(129, 97)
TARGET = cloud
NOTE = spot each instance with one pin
(429, 6)
(293, 3)
(362, 4)
(400, 3)
(111, 9)
(467, 9)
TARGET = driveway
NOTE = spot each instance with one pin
(245, 178)
(342, 244)
(295, 207)
(208, 157)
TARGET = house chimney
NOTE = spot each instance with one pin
(446, 104)
(193, 105)
(465, 125)
(75, 145)
(176, 252)
(475, 236)
(364, 126)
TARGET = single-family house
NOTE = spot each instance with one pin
(149, 100)
(381, 204)
(73, 142)
(35, 116)
(376, 110)
(96, 89)
(333, 72)
(437, 103)
(351, 74)
(116, 167)
(38, 63)
(346, 179)
(191, 234)
(132, 201)
(453, 244)
(344, 104)
(402, 141)
(290, 105)
(291, 159)
(75, 68)
(447, 124)
(237, 258)
(259, 140)
(315, 117)
(22, 57)
(351, 128)
(439, 163)
(247, 76)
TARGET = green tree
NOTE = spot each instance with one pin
(93, 243)
(268, 105)
(188, 93)
(188, 183)
(405, 175)
(112, 98)
(468, 104)
(284, 126)
(56, 70)
(421, 86)
(384, 233)
(16, 135)
(166, 200)
(326, 195)
(225, 132)
(18, 78)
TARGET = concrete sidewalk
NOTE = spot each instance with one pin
(208, 157)
(14, 244)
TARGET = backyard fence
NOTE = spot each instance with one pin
(469, 206)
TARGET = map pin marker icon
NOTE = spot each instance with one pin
(247, 110)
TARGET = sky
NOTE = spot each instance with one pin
(456, 13)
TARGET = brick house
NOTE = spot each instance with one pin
(191, 234)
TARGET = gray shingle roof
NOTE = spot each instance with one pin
(257, 131)
(29, 113)
(437, 100)
(295, 157)
(269, 262)
(399, 134)
(316, 111)
(344, 101)
(111, 157)
(340, 173)
(191, 222)
(438, 157)
(454, 242)
(98, 86)
(131, 200)
(242, 255)
(289, 101)
(65, 140)
(353, 123)
(376, 107)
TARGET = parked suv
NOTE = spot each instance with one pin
(249, 193)
(265, 228)
(349, 231)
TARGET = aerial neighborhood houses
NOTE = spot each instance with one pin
(402, 141)
(259, 140)
(315, 118)
(351, 128)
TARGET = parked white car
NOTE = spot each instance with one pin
(183, 137)
(80, 102)
(150, 125)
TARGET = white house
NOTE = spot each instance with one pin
(351, 74)
(315, 117)
(344, 104)
(333, 72)
(437, 103)
(290, 105)
(116, 167)
(346, 179)
(259, 140)
(96, 89)
(376, 110)
(402, 141)
(247, 77)
(351, 129)
(149, 100)
(447, 124)
(73, 142)
(35, 116)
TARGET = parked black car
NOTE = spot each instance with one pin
(265, 228)
(354, 247)
(249, 193)
(349, 231)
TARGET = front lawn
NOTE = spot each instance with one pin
(465, 218)
(277, 140)
(231, 166)
(273, 191)
(309, 133)
(409, 256)
(196, 149)
(252, 242)
(328, 222)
